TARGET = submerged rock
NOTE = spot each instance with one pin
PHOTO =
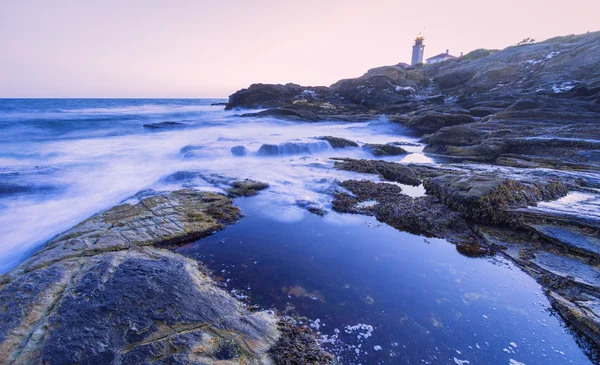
(190, 148)
(297, 346)
(311, 207)
(384, 149)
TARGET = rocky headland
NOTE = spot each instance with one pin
(522, 126)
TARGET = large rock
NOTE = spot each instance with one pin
(269, 95)
(491, 198)
(421, 215)
(533, 132)
(391, 171)
(101, 293)
(387, 149)
(294, 147)
(337, 142)
(286, 113)
(431, 122)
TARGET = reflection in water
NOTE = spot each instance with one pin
(380, 296)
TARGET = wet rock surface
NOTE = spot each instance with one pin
(490, 198)
(297, 345)
(391, 171)
(246, 187)
(294, 147)
(104, 292)
(423, 215)
(337, 142)
(239, 151)
(384, 149)
(165, 125)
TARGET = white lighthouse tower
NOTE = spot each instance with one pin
(418, 48)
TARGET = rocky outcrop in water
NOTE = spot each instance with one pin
(491, 198)
(384, 149)
(295, 147)
(387, 202)
(391, 171)
(165, 125)
(494, 211)
(337, 142)
(104, 292)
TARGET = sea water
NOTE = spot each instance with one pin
(376, 294)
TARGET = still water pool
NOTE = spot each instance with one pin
(381, 296)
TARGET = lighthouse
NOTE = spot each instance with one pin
(418, 48)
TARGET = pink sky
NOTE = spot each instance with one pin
(150, 48)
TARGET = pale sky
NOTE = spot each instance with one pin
(185, 48)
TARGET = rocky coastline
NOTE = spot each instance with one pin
(531, 111)
(110, 290)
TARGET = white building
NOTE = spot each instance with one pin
(441, 57)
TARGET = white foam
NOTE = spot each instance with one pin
(101, 172)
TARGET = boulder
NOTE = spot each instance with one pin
(384, 149)
(294, 147)
(239, 151)
(431, 122)
(337, 142)
(268, 95)
(166, 125)
(391, 171)
(490, 198)
(101, 293)
(456, 136)
(246, 187)
(286, 113)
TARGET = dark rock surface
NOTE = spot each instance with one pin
(421, 215)
(294, 147)
(491, 198)
(246, 187)
(431, 122)
(239, 151)
(391, 171)
(534, 132)
(337, 142)
(166, 125)
(387, 149)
